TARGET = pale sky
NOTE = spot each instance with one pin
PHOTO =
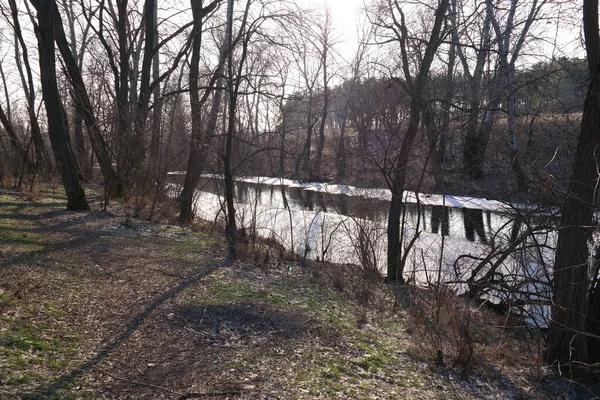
(346, 14)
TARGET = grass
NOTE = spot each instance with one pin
(100, 311)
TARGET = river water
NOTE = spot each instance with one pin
(445, 237)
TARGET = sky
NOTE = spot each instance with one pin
(346, 14)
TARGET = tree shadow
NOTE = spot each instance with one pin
(243, 324)
(129, 329)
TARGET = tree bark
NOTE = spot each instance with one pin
(113, 184)
(42, 156)
(201, 138)
(14, 140)
(57, 121)
(395, 268)
(567, 341)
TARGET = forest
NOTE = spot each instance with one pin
(136, 104)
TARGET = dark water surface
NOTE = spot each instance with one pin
(344, 224)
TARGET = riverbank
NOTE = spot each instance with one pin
(99, 305)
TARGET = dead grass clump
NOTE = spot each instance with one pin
(458, 332)
(442, 325)
(32, 193)
(365, 287)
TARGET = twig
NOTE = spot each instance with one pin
(182, 396)
(208, 394)
(171, 274)
(140, 383)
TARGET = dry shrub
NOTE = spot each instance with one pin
(457, 331)
(366, 288)
(442, 326)
(33, 192)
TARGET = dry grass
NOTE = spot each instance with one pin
(96, 305)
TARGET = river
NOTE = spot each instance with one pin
(448, 235)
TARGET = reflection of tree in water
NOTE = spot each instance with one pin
(440, 216)
(342, 204)
(307, 197)
(516, 227)
(473, 220)
(362, 207)
(321, 201)
(298, 196)
(241, 192)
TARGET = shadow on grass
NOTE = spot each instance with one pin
(247, 323)
(68, 379)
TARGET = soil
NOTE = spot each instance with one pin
(97, 305)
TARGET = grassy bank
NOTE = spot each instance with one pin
(96, 305)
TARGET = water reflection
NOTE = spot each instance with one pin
(440, 215)
(473, 222)
(331, 226)
(461, 223)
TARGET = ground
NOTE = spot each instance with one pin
(96, 305)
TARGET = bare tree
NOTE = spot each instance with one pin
(78, 51)
(83, 105)
(201, 136)
(396, 172)
(573, 331)
(57, 118)
(508, 56)
(43, 162)
(325, 42)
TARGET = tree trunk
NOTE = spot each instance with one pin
(475, 141)
(154, 161)
(512, 129)
(304, 157)
(113, 184)
(282, 138)
(143, 105)
(593, 322)
(434, 136)
(395, 268)
(42, 156)
(341, 153)
(321, 141)
(567, 343)
(200, 138)
(442, 146)
(78, 137)
(57, 121)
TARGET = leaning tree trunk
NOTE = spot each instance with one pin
(201, 137)
(567, 341)
(57, 118)
(83, 105)
(395, 265)
(44, 164)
